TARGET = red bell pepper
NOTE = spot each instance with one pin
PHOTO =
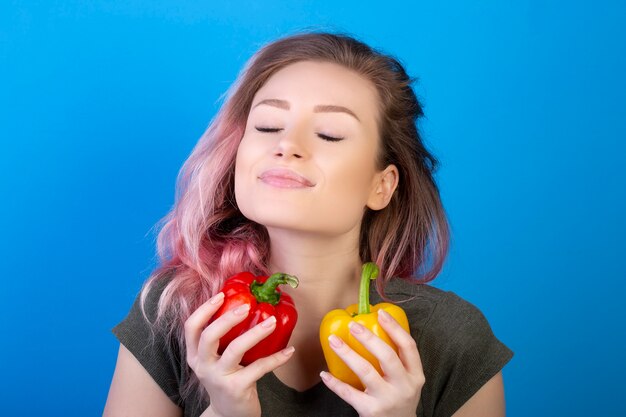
(265, 300)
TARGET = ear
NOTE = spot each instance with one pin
(383, 187)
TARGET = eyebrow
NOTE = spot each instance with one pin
(320, 108)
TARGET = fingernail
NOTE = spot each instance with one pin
(384, 316)
(217, 298)
(288, 351)
(242, 309)
(269, 322)
(355, 327)
(325, 376)
(335, 341)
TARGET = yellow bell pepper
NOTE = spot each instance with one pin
(336, 322)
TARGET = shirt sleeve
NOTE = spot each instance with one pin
(465, 353)
(158, 354)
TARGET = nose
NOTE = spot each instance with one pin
(291, 145)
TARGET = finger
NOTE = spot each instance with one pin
(407, 348)
(366, 372)
(198, 320)
(390, 363)
(357, 399)
(238, 347)
(210, 337)
(253, 372)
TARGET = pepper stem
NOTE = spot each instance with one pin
(370, 272)
(266, 292)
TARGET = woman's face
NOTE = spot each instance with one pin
(307, 160)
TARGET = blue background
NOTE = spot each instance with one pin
(101, 103)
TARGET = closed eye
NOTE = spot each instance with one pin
(268, 129)
(329, 138)
(321, 135)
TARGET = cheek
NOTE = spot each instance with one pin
(252, 200)
(347, 189)
(350, 177)
(243, 163)
(244, 196)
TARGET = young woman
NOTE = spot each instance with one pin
(313, 166)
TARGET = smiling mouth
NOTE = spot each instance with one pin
(284, 178)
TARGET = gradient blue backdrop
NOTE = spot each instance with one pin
(101, 102)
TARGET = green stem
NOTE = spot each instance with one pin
(266, 292)
(370, 272)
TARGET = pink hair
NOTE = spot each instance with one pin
(205, 239)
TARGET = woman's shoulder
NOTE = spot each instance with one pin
(446, 327)
(424, 304)
(432, 309)
(458, 349)
(151, 345)
(153, 289)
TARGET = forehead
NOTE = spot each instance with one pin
(308, 84)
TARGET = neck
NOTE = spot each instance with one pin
(328, 269)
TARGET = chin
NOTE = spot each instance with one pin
(277, 219)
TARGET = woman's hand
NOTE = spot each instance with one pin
(231, 387)
(397, 393)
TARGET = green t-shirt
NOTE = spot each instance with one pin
(458, 349)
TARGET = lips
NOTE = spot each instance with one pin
(285, 178)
